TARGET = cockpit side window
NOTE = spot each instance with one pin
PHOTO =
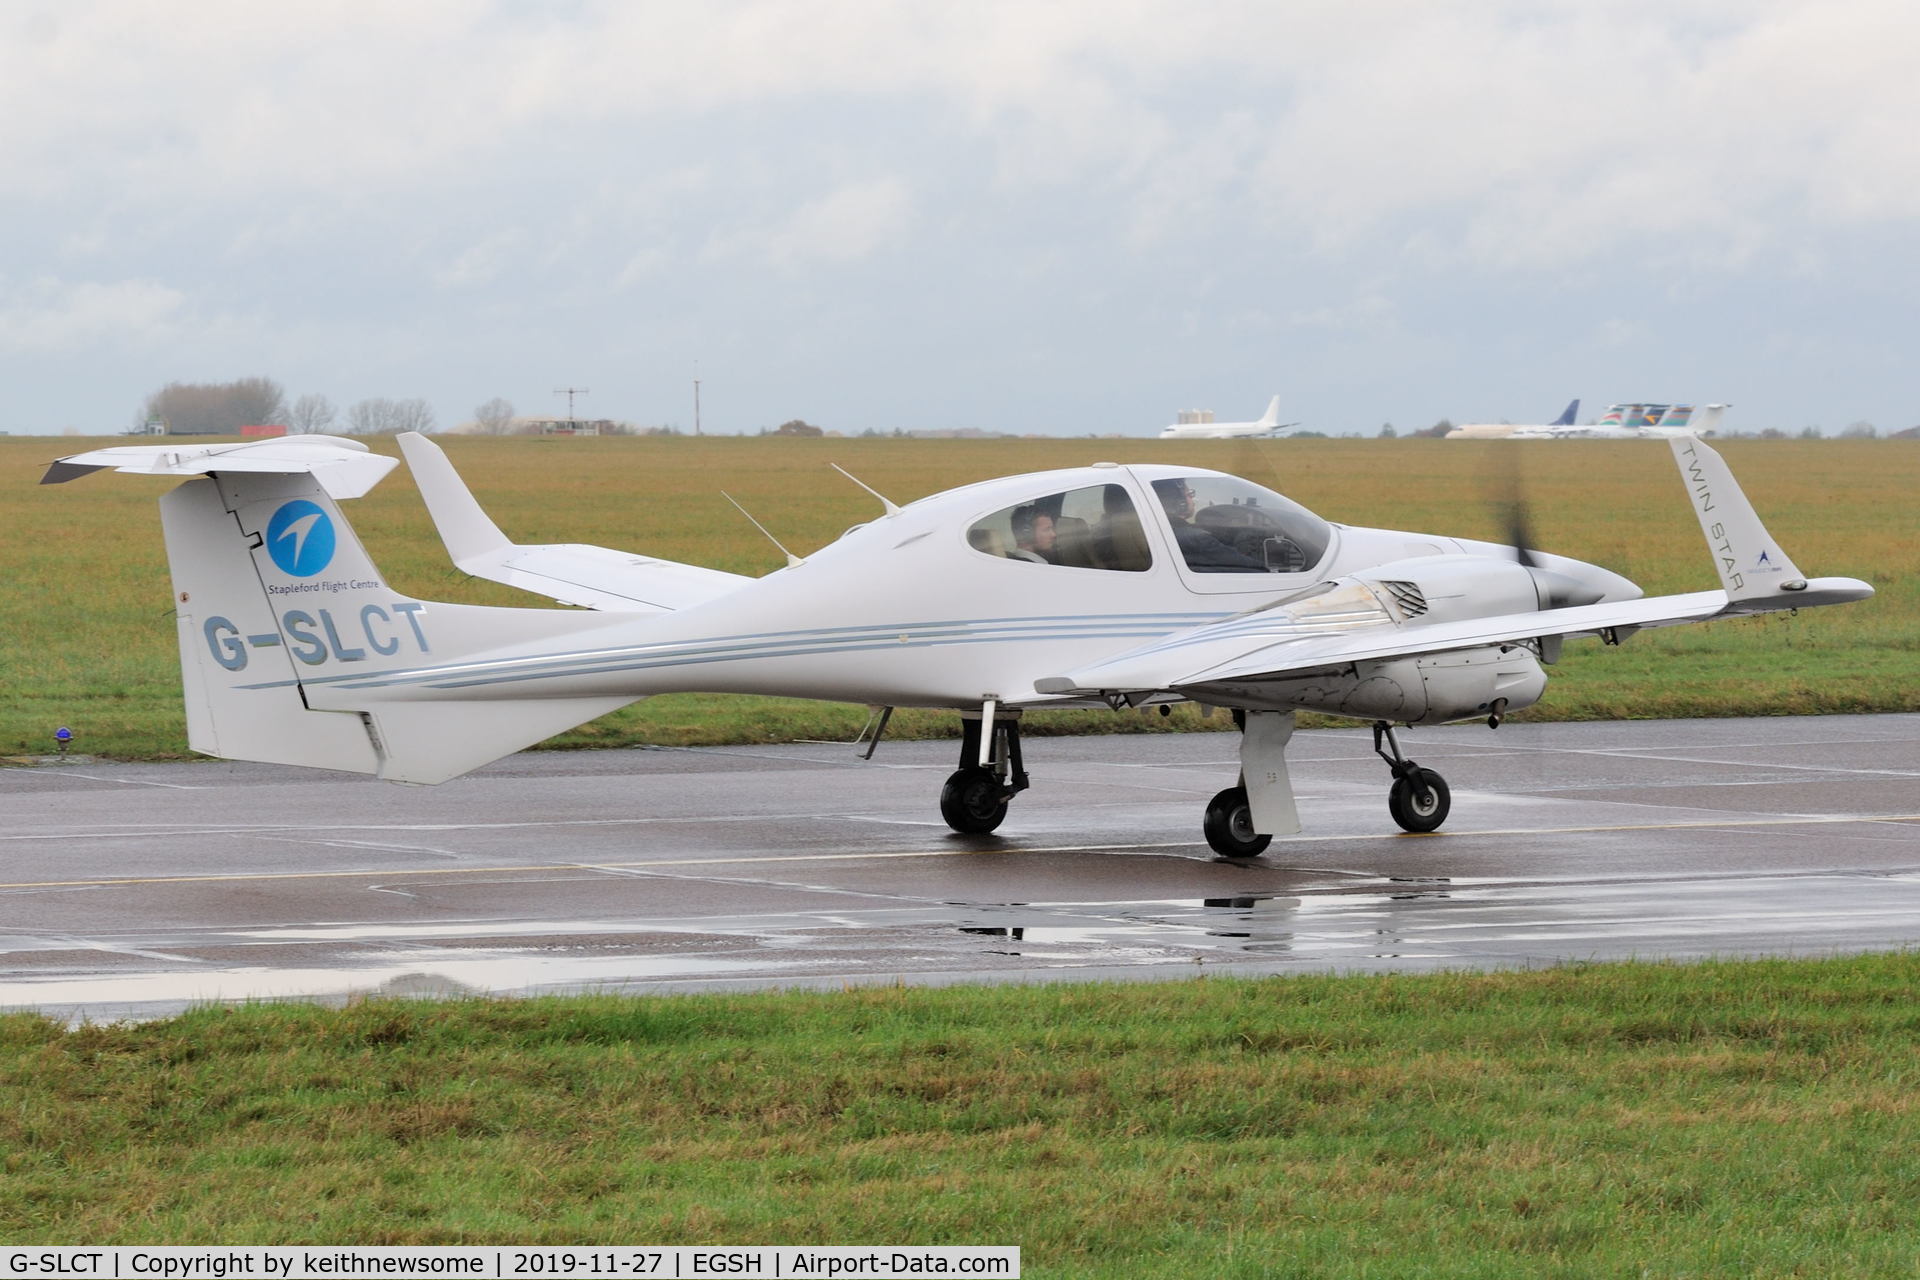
(1223, 524)
(1097, 527)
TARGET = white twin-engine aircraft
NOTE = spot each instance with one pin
(1106, 585)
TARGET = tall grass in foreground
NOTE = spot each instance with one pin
(1720, 1119)
(87, 639)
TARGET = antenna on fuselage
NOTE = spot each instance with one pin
(888, 503)
(792, 559)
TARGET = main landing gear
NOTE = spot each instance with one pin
(1229, 825)
(1419, 799)
(974, 801)
(1243, 820)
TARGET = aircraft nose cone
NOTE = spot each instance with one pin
(1564, 584)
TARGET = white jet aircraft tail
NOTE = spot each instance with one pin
(295, 650)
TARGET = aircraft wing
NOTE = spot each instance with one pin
(1240, 649)
(344, 468)
(572, 573)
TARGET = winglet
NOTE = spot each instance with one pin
(466, 529)
(1752, 567)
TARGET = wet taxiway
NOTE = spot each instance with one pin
(136, 890)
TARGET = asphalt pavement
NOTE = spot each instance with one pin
(137, 890)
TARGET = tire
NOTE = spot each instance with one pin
(973, 802)
(1423, 807)
(1229, 826)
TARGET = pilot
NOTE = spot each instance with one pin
(1204, 552)
(1033, 536)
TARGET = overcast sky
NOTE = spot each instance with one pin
(1063, 217)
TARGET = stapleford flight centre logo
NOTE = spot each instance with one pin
(300, 539)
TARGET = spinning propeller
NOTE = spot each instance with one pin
(1556, 589)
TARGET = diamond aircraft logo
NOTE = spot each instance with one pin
(300, 539)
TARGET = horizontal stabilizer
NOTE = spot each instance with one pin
(572, 573)
(344, 468)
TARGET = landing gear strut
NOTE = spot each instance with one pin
(1419, 799)
(974, 801)
(1243, 820)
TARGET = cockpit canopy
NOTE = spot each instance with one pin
(1223, 524)
(1220, 523)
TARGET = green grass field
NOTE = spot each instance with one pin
(88, 637)
(1751, 1119)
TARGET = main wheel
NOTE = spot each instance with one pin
(973, 801)
(1420, 802)
(1229, 825)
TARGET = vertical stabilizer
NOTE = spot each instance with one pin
(243, 697)
(1568, 414)
(1271, 418)
(294, 650)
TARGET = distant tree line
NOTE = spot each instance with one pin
(215, 408)
(223, 408)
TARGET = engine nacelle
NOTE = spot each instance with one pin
(1467, 685)
(1450, 588)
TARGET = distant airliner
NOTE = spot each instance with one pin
(1268, 425)
(1635, 422)
(1500, 430)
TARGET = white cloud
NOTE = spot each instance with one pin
(52, 315)
(852, 222)
(479, 263)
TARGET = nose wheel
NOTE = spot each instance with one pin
(1419, 799)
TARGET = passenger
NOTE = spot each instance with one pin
(1118, 540)
(1033, 536)
(1204, 552)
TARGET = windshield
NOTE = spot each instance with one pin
(1224, 524)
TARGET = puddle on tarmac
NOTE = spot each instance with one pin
(1416, 924)
(1257, 923)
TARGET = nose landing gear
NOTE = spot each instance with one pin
(974, 799)
(1419, 799)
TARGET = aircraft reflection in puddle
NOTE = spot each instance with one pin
(1369, 924)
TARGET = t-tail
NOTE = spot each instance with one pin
(294, 649)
